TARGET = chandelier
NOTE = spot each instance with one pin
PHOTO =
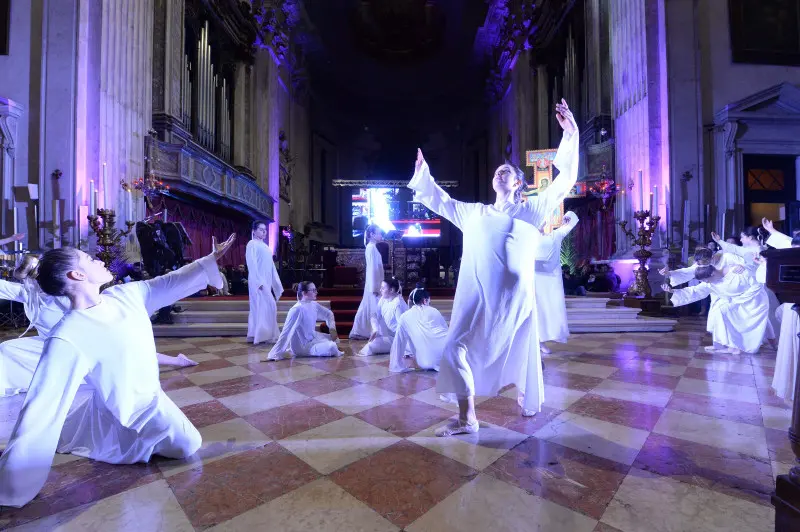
(150, 186)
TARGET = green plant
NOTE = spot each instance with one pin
(569, 254)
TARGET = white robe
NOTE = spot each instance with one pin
(783, 380)
(739, 318)
(299, 336)
(373, 277)
(262, 322)
(421, 333)
(127, 418)
(20, 356)
(551, 308)
(384, 323)
(492, 340)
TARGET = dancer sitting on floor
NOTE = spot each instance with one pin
(384, 320)
(373, 277)
(551, 306)
(738, 319)
(299, 336)
(20, 356)
(492, 340)
(106, 339)
(420, 336)
(264, 287)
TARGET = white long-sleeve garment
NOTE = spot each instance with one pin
(492, 340)
(127, 418)
(551, 308)
(373, 277)
(384, 323)
(262, 321)
(299, 336)
(20, 356)
(739, 318)
(783, 380)
(421, 333)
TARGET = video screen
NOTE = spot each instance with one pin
(390, 210)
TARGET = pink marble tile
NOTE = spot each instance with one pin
(175, 382)
(321, 385)
(768, 398)
(288, 420)
(334, 365)
(738, 411)
(407, 383)
(208, 413)
(506, 413)
(573, 381)
(404, 417)
(236, 386)
(646, 378)
(729, 377)
(628, 413)
(780, 450)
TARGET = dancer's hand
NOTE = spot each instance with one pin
(768, 225)
(664, 271)
(17, 238)
(715, 237)
(420, 160)
(565, 118)
(334, 335)
(666, 288)
(221, 249)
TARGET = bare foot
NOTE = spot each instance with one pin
(544, 349)
(185, 362)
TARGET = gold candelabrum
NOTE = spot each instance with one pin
(640, 287)
(103, 223)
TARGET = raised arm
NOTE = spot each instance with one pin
(570, 221)
(779, 241)
(26, 462)
(684, 296)
(12, 291)
(427, 192)
(681, 275)
(183, 282)
(326, 315)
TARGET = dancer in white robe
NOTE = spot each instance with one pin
(492, 340)
(420, 336)
(106, 339)
(264, 287)
(783, 380)
(20, 356)
(373, 277)
(738, 320)
(385, 319)
(551, 307)
(299, 336)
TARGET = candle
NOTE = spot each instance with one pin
(105, 188)
(641, 191)
(95, 200)
(16, 224)
(724, 226)
(651, 205)
(130, 205)
(654, 210)
(56, 224)
(92, 199)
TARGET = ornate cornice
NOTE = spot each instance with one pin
(384, 183)
(233, 23)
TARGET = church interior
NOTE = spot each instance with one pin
(139, 130)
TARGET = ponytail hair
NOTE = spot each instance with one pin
(519, 175)
(369, 231)
(703, 272)
(395, 285)
(757, 233)
(302, 288)
(418, 295)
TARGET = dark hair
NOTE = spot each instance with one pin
(703, 256)
(703, 272)
(419, 294)
(758, 233)
(796, 241)
(28, 267)
(53, 268)
(302, 288)
(393, 283)
(371, 229)
(256, 223)
(519, 175)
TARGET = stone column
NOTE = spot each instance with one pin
(10, 113)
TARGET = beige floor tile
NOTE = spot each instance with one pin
(720, 390)
(740, 437)
(247, 403)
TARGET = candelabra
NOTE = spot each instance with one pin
(108, 237)
(604, 189)
(643, 239)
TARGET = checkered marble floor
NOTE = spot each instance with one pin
(640, 432)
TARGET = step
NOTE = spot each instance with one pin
(222, 305)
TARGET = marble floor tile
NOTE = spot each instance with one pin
(638, 393)
(357, 398)
(713, 468)
(766, 396)
(704, 405)
(334, 365)
(219, 441)
(505, 412)
(646, 501)
(321, 385)
(404, 481)
(487, 503)
(217, 375)
(740, 379)
(573, 381)
(248, 358)
(229, 487)
(780, 468)
(588, 370)
(249, 383)
(560, 398)
(208, 413)
(740, 437)
(189, 396)
(570, 478)
(646, 378)
(216, 348)
(319, 506)
(600, 438)
(407, 383)
(776, 418)
(294, 418)
(369, 373)
(719, 390)
(208, 365)
(146, 508)
(172, 380)
(671, 351)
(778, 445)
(256, 401)
(332, 446)
(653, 365)
(431, 397)
(628, 413)
(719, 365)
(404, 417)
(294, 373)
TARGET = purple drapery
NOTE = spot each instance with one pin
(201, 226)
(591, 243)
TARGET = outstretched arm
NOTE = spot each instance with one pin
(26, 462)
(684, 296)
(427, 192)
(13, 238)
